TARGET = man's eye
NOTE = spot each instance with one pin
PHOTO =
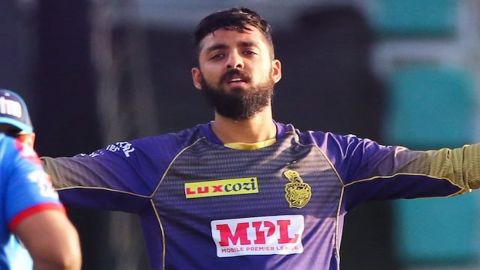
(217, 56)
(249, 52)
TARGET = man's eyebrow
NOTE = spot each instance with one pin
(248, 44)
(215, 47)
(221, 46)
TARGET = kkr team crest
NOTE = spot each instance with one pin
(297, 192)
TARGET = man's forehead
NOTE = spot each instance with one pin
(227, 36)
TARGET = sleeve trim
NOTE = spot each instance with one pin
(33, 210)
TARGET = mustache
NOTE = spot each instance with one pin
(234, 73)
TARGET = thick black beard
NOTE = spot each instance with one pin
(238, 104)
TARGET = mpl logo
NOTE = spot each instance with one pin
(258, 235)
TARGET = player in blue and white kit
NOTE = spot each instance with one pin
(244, 191)
(30, 207)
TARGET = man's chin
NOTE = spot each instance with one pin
(237, 88)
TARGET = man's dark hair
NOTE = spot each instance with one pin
(238, 19)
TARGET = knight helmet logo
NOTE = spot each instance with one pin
(297, 192)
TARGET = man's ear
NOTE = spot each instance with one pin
(276, 70)
(197, 78)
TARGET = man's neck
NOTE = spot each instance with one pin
(256, 129)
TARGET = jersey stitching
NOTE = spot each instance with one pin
(171, 163)
(339, 178)
(102, 188)
(323, 154)
(162, 232)
(337, 227)
(340, 201)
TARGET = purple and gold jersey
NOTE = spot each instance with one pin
(204, 205)
(25, 190)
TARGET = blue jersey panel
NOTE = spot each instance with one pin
(24, 186)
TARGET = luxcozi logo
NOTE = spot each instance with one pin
(258, 235)
(224, 187)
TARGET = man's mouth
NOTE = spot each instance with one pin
(235, 77)
(236, 80)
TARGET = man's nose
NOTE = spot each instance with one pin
(234, 61)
